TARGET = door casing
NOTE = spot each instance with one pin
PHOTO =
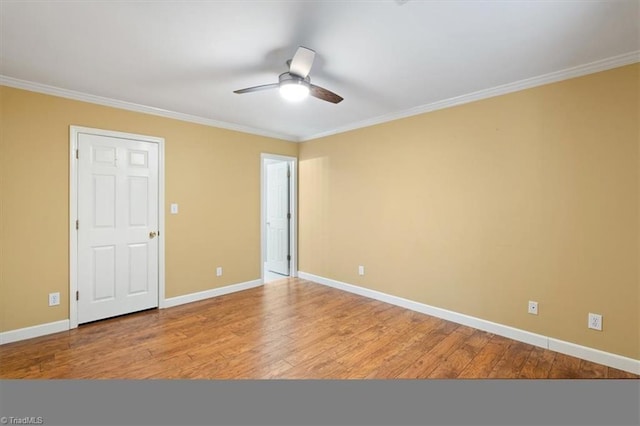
(74, 132)
(278, 256)
(293, 225)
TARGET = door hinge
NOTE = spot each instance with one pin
(77, 154)
(77, 224)
(289, 257)
(288, 173)
(288, 215)
(77, 295)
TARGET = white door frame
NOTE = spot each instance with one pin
(74, 133)
(293, 224)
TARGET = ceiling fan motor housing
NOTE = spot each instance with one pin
(288, 78)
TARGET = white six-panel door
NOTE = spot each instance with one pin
(277, 220)
(117, 226)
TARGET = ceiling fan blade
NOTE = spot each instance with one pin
(324, 94)
(302, 61)
(257, 88)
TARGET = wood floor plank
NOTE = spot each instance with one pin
(290, 329)
(614, 373)
(369, 356)
(565, 367)
(512, 361)
(591, 370)
(454, 364)
(538, 364)
(431, 359)
(486, 359)
(423, 337)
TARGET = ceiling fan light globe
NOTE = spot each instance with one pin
(294, 91)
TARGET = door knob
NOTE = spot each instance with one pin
(152, 234)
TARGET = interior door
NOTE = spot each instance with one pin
(117, 226)
(278, 217)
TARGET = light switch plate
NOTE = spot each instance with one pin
(174, 208)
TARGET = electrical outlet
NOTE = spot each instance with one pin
(219, 271)
(360, 270)
(533, 307)
(54, 299)
(595, 321)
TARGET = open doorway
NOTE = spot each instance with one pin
(278, 218)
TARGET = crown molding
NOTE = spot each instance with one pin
(130, 106)
(578, 71)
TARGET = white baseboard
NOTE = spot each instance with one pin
(34, 331)
(202, 295)
(590, 354)
(595, 355)
(605, 358)
(58, 326)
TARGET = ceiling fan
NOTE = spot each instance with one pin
(295, 84)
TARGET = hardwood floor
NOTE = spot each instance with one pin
(289, 329)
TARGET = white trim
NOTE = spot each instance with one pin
(130, 106)
(74, 132)
(293, 197)
(65, 325)
(34, 331)
(207, 294)
(595, 355)
(577, 71)
(73, 235)
(161, 231)
(612, 360)
(593, 67)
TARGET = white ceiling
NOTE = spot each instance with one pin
(386, 58)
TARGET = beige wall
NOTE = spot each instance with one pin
(214, 175)
(479, 208)
(533, 195)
